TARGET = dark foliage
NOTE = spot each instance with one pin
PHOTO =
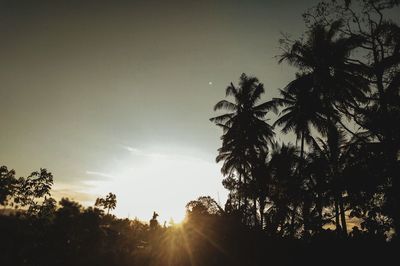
(333, 199)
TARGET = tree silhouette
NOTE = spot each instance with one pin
(33, 190)
(203, 206)
(303, 110)
(245, 132)
(330, 77)
(7, 184)
(325, 64)
(108, 203)
(378, 59)
(284, 193)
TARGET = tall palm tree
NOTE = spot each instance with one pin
(245, 130)
(302, 111)
(327, 75)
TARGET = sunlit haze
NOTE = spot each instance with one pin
(161, 172)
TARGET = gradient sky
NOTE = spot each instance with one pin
(116, 95)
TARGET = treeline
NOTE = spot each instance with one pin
(343, 108)
(70, 234)
(37, 230)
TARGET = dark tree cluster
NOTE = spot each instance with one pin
(344, 109)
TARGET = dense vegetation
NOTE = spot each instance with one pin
(344, 109)
(335, 192)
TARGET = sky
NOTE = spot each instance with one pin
(116, 96)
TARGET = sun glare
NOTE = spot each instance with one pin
(146, 181)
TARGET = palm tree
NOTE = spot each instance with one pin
(111, 202)
(245, 131)
(328, 74)
(336, 157)
(108, 203)
(303, 110)
(284, 189)
(316, 168)
(324, 60)
(332, 80)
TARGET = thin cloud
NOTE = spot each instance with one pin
(158, 155)
(132, 150)
(100, 174)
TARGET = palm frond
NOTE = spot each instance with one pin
(267, 106)
(224, 104)
(222, 118)
(231, 90)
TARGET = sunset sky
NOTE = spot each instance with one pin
(116, 96)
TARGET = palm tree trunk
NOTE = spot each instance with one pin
(306, 214)
(306, 205)
(255, 211)
(262, 207)
(338, 227)
(293, 220)
(245, 198)
(319, 209)
(244, 193)
(396, 200)
(342, 214)
(302, 149)
(394, 169)
(239, 190)
(338, 202)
